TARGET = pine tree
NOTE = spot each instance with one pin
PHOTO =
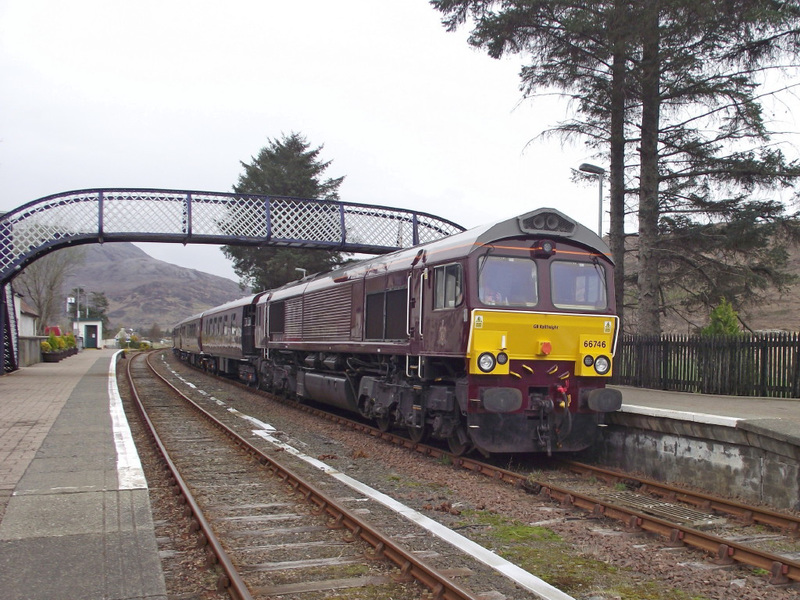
(285, 167)
(724, 320)
(669, 89)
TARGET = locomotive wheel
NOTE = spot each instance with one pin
(418, 434)
(459, 442)
(384, 423)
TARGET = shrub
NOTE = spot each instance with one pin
(46, 347)
(724, 320)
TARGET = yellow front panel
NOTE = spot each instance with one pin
(540, 336)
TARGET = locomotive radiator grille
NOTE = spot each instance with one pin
(327, 314)
(323, 315)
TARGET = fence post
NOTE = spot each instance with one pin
(764, 366)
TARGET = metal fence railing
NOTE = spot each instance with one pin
(765, 364)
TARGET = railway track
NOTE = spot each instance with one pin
(271, 532)
(635, 507)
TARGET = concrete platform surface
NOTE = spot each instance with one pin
(735, 407)
(75, 518)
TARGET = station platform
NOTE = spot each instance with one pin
(778, 418)
(741, 447)
(75, 518)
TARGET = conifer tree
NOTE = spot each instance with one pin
(286, 167)
(668, 90)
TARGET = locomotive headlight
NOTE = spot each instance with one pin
(602, 365)
(588, 360)
(502, 358)
(486, 362)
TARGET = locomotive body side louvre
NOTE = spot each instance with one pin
(327, 314)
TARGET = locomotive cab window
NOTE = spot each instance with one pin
(448, 281)
(578, 285)
(508, 281)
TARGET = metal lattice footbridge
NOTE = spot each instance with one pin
(196, 217)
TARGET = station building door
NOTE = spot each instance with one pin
(90, 341)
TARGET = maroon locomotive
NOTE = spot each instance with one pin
(500, 338)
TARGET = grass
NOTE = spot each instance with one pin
(545, 554)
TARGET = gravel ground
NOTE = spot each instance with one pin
(589, 559)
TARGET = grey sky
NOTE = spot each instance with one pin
(175, 93)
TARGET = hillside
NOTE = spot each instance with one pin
(142, 290)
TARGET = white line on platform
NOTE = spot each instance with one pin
(680, 415)
(130, 475)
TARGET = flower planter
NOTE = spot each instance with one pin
(51, 357)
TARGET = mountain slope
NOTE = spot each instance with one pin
(143, 291)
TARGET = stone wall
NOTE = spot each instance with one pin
(758, 460)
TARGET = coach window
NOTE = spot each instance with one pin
(578, 285)
(508, 281)
(448, 281)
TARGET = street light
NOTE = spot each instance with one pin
(600, 172)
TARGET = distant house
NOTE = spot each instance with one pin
(27, 326)
(27, 318)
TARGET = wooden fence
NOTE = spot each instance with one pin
(742, 365)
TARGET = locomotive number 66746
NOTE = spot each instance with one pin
(500, 338)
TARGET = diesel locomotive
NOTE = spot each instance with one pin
(500, 338)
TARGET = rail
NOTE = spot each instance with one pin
(440, 586)
(782, 569)
(230, 580)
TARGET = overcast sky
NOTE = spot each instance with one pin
(174, 94)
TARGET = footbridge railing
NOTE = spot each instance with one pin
(196, 217)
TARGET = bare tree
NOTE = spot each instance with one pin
(42, 283)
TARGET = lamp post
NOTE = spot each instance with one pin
(77, 326)
(600, 172)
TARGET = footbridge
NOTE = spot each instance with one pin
(196, 217)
